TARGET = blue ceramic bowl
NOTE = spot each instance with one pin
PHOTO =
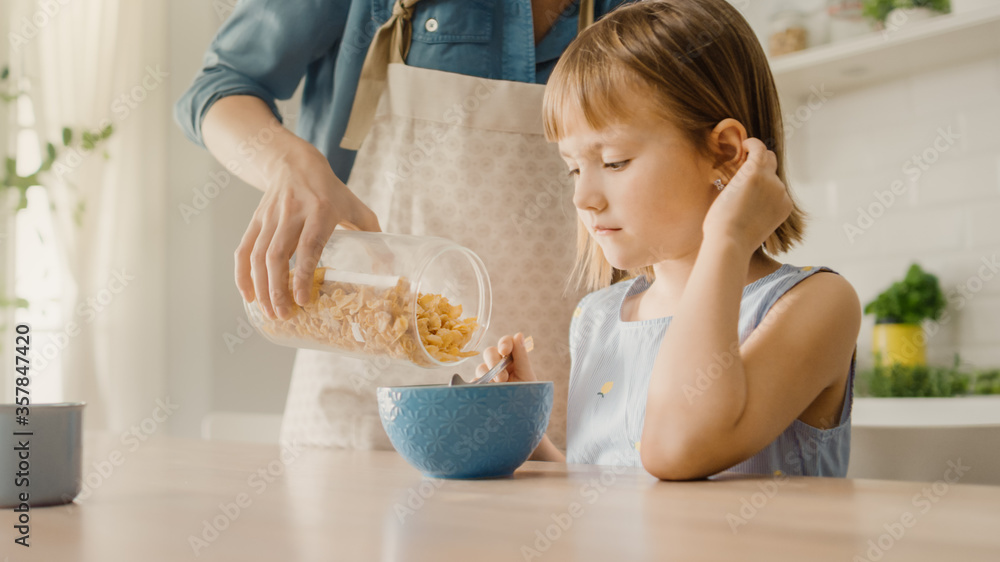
(471, 431)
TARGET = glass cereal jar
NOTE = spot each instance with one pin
(787, 33)
(419, 300)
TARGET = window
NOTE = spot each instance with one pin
(40, 276)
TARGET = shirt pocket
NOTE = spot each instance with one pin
(447, 35)
(454, 22)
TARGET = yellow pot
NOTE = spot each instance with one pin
(899, 343)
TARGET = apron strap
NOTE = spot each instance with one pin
(391, 44)
(586, 15)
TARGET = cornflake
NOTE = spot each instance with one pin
(364, 319)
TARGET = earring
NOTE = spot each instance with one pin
(718, 184)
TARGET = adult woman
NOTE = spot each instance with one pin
(456, 150)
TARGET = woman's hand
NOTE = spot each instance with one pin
(519, 369)
(754, 203)
(303, 203)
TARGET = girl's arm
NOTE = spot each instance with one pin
(713, 403)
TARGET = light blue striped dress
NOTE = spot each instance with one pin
(612, 362)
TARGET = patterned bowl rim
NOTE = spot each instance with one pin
(421, 387)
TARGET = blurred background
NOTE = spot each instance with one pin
(117, 234)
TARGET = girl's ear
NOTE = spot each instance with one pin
(726, 143)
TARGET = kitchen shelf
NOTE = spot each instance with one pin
(957, 411)
(861, 61)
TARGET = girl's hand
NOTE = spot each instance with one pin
(302, 205)
(519, 369)
(753, 205)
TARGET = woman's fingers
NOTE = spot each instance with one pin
(310, 247)
(258, 268)
(244, 281)
(286, 236)
(363, 218)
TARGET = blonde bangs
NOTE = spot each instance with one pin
(588, 81)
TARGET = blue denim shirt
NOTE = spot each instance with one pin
(265, 48)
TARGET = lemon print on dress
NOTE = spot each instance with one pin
(602, 393)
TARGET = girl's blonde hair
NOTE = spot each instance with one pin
(700, 62)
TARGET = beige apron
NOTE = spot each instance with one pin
(463, 158)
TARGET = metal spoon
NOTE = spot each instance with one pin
(457, 380)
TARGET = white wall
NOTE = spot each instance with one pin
(859, 143)
(206, 374)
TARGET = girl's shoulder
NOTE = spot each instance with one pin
(789, 276)
(784, 293)
(605, 300)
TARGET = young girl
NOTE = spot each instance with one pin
(709, 356)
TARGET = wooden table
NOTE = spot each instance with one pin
(176, 500)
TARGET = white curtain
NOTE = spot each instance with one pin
(93, 63)
(6, 239)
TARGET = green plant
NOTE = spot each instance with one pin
(15, 302)
(986, 382)
(878, 10)
(910, 381)
(88, 141)
(916, 297)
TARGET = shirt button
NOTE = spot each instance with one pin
(431, 25)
